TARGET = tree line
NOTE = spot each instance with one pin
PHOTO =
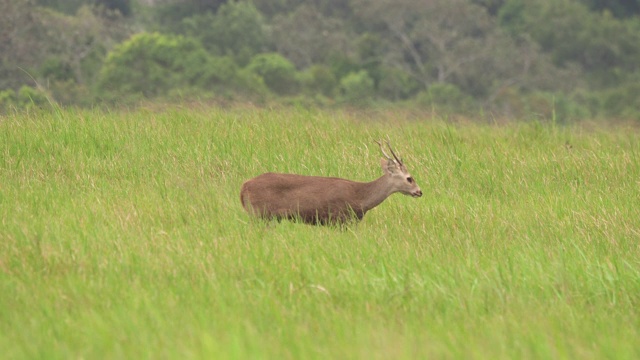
(561, 59)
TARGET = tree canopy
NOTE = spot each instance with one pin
(569, 58)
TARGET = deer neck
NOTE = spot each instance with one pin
(371, 194)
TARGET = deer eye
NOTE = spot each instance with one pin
(410, 179)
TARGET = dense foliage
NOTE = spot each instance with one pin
(569, 59)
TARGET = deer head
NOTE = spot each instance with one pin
(397, 173)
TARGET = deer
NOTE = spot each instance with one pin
(319, 200)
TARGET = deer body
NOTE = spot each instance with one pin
(323, 200)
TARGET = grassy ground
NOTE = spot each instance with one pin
(122, 236)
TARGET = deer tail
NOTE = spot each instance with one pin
(243, 197)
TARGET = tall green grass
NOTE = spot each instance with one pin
(122, 236)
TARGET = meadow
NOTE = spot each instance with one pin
(122, 236)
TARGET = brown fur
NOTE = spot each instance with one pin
(313, 199)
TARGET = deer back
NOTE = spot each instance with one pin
(311, 198)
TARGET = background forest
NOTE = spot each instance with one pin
(560, 59)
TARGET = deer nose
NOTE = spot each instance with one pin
(417, 193)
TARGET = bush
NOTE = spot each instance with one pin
(8, 99)
(319, 79)
(25, 97)
(224, 77)
(278, 73)
(69, 92)
(397, 85)
(28, 96)
(621, 101)
(151, 64)
(557, 107)
(357, 87)
(54, 69)
(218, 73)
(446, 98)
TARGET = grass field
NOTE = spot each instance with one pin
(122, 236)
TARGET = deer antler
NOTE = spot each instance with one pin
(394, 154)
(397, 160)
(382, 149)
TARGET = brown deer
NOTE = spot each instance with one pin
(325, 200)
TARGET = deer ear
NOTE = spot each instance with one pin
(388, 166)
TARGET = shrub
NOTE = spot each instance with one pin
(25, 97)
(69, 92)
(557, 107)
(357, 87)
(28, 96)
(54, 69)
(278, 73)
(151, 64)
(446, 98)
(7, 97)
(319, 79)
(223, 76)
(621, 101)
(219, 72)
(397, 85)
